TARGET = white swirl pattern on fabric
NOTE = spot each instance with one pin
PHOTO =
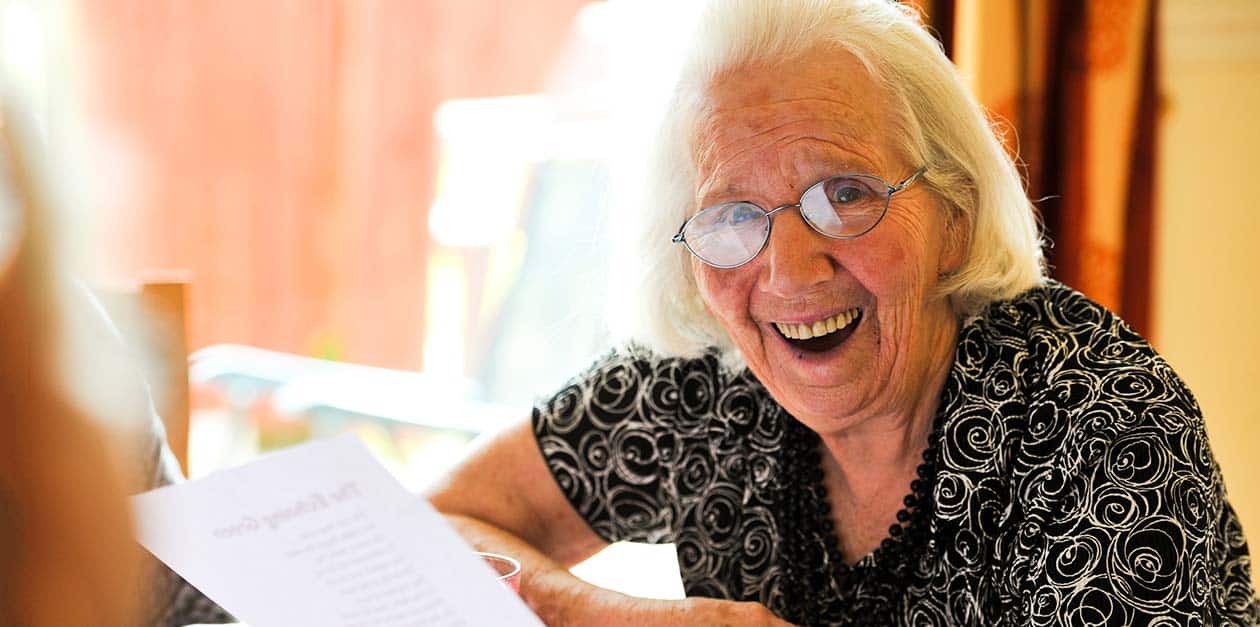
(1074, 486)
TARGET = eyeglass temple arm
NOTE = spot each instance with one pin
(909, 181)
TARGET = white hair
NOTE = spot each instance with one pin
(943, 127)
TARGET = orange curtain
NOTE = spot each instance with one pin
(1071, 85)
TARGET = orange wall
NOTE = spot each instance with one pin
(286, 153)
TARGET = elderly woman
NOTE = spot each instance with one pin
(864, 402)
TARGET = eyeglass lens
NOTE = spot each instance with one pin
(731, 234)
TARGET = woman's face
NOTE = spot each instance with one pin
(768, 134)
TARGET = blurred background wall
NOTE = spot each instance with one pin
(285, 153)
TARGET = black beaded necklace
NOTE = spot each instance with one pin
(819, 587)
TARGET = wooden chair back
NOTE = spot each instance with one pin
(153, 316)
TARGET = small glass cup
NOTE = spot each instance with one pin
(507, 569)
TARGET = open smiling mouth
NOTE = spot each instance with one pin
(822, 335)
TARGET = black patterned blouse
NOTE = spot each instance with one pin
(1068, 481)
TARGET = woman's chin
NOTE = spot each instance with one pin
(821, 389)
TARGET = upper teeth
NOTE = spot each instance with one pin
(799, 331)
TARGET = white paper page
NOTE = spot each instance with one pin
(322, 534)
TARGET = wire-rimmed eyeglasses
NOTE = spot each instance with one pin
(844, 206)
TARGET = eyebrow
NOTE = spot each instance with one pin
(733, 191)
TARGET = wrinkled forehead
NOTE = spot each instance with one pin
(829, 73)
(822, 100)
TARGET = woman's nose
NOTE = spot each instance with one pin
(796, 257)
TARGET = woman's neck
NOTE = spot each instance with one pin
(867, 472)
(884, 450)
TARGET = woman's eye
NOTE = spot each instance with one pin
(846, 194)
(741, 215)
